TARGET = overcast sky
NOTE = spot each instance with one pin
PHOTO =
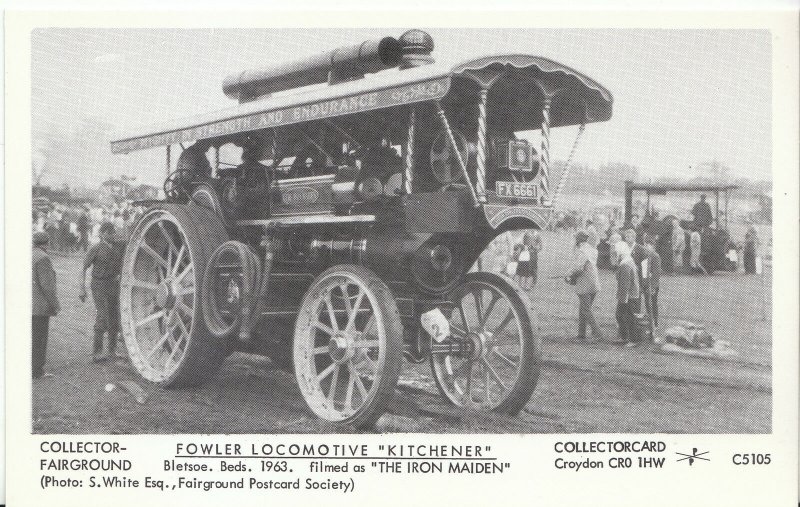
(681, 97)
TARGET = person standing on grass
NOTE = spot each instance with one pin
(613, 238)
(628, 294)
(45, 302)
(652, 279)
(524, 267)
(585, 279)
(106, 262)
(83, 231)
(678, 244)
(695, 244)
(637, 251)
(750, 250)
(533, 244)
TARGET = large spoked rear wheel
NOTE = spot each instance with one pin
(162, 272)
(348, 346)
(493, 363)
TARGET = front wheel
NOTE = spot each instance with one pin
(490, 361)
(348, 346)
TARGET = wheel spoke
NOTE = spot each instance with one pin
(348, 397)
(346, 295)
(361, 389)
(490, 369)
(175, 349)
(504, 358)
(320, 350)
(182, 325)
(366, 344)
(184, 308)
(331, 314)
(324, 328)
(155, 255)
(478, 305)
(332, 391)
(185, 291)
(463, 316)
(167, 236)
(149, 318)
(458, 331)
(488, 312)
(504, 323)
(135, 282)
(183, 273)
(469, 382)
(367, 359)
(486, 386)
(327, 371)
(178, 260)
(370, 325)
(158, 344)
(351, 321)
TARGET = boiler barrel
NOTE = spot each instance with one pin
(337, 65)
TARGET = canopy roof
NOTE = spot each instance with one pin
(515, 90)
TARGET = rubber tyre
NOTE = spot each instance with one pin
(251, 276)
(202, 232)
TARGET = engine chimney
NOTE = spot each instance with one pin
(342, 64)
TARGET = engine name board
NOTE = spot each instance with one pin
(418, 92)
(299, 195)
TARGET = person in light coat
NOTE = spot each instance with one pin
(584, 277)
(628, 295)
(695, 246)
(678, 244)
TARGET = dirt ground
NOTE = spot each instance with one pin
(582, 388)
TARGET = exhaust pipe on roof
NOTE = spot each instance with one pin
(341, 64)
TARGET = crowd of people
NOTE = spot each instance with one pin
(638, 274)
(73, 228)
(633, 254)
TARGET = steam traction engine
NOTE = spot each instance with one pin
(330, 220)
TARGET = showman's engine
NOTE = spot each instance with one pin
(331, 220)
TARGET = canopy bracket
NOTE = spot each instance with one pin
(454, 146)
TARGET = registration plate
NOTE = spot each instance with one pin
(517, 189)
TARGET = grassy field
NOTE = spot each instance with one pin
(582, 388)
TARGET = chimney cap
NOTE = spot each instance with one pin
(416, 47)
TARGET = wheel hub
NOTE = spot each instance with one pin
(479, 343)
(234, 292)
(340, 348)
(165, 295)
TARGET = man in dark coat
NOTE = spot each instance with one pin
(83, 231)
(105, 259)
(45, 301)
(703, 217)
